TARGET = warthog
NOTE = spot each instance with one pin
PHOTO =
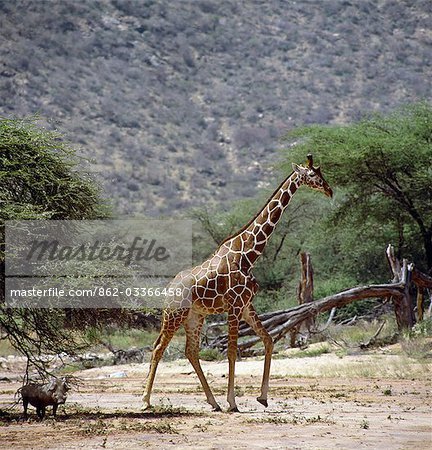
(42, 395)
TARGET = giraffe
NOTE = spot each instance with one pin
(225, 283)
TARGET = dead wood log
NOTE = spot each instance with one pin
(420, 303)
(279, 325)
(305, 289)
(373, 339)
(328, 323)
(304, 295)
(403, 304)
(423, 283)
(421, 279)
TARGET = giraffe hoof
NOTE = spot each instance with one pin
(263, 401)
(146, 407)
(217, 408)
(233, 409)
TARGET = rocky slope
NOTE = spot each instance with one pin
(184, 103)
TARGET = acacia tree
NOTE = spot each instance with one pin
(40, 178)
(383, 167)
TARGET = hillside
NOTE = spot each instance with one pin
(183, 104)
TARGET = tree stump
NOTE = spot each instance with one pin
(304, 295)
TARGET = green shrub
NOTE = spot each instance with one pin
(420, 329)
(210, 354)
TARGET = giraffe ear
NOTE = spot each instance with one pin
(296, 168)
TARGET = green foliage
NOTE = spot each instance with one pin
(417, 343)
(268, 299)
(39, 179)
(355, 309)
(381, 167)
(348, 236)
(122, 338)
(36, 333)
(333, 284)
(362, 330)
(312, 352)
(420, 329)
(211, 354)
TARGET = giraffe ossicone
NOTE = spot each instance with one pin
(224, 283)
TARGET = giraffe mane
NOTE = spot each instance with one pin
(257, 214)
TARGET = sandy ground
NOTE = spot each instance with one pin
(374, 401)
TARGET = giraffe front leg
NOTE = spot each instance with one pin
(233, 327)
(252, 319)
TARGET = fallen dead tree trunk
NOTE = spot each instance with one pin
(279, 323)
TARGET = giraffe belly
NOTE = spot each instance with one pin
(207, 306)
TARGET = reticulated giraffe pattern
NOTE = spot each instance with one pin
(225, 283)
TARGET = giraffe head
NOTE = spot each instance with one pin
(312, 177)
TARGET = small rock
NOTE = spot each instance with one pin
(118, 375)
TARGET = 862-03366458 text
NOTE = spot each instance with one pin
(96, 291)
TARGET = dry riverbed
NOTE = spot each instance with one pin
(378, 400)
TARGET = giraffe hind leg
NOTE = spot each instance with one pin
(233, 326)
(193, 325)
(252, 319)
(171, 323)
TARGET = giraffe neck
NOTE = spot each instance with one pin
(252, 239)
